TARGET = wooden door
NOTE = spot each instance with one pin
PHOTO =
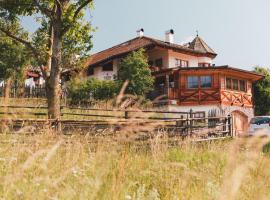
(240, 123)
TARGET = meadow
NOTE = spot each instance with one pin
(116, 166)
(55, 166)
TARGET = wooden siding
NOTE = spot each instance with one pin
(217, 94)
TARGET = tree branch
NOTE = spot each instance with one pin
(80, 8)
(76, 13)
(46, 11)
(27, 44)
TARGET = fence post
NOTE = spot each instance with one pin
(225, 125)
(230, 125)
(126, 114)
(191, 120)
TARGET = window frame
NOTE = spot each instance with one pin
(90, 71)
(108, 65)
(181, 61)
(199, 82)
(159, 64)
(230, 80)
(204, 64)
(211, 81)
(245, 86)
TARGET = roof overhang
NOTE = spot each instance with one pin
(226, 70)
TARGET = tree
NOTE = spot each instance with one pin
(14, 56)
(135, 69)
(61, 22)
(262, 92)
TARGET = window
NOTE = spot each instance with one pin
(90, 71)
(159, 62)
(181, 63)
(199, 81)
(204, 64)
(199, 115)
(150, 63)
(107, 67)
(171, 81)
(107, 77)
(206, 81)
(229, 83)
(193, 82)
(235, 84)
(242, 85)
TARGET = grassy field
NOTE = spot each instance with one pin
(50, 166)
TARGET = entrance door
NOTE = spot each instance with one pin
(240, 123)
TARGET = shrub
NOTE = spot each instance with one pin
(135, 69)
(88, 90)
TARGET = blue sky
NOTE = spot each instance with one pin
(238, 30)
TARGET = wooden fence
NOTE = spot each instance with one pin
(24, 92)
(181, 123)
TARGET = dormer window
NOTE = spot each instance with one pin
(181, 63)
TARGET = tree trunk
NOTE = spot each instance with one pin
(53, 87)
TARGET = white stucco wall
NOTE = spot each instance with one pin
(220, 109)
(157, 54)
(103, 75)
(192, 60)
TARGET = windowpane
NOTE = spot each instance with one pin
(184, 63)
(159, 62)
(90, 71)
(181, 63)
(193, 81)
(204, 64)
(107, 67)
(242, 85)
(150, 63)
(177, 63)
(235, 84)
(229, 83)
(206, 81)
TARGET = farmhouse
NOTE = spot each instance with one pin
(185, 77)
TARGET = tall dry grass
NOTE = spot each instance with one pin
(49, 166)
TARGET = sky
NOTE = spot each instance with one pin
(238, 30)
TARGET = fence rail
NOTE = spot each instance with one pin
(181, 123)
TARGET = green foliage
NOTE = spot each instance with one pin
(14, 56)
(75, 31)
(84, 91)
(135, 69)
(262, 92)
(76, 46)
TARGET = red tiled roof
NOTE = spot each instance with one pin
(137, 43)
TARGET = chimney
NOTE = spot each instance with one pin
(140, 32)
(169, 36)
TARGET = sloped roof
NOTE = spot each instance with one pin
(199, 45)
(142, 42)
(254, 76)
